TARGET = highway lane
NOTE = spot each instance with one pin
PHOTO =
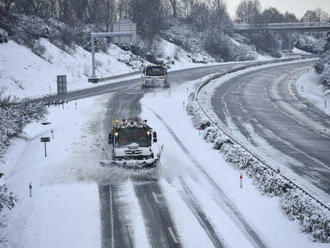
(161, 231)
(178, 76)
(125, 103)
(264, 103)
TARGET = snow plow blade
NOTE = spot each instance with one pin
(137, 169)
(132, 164)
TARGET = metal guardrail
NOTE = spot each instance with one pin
(216, 76)
(102, 79)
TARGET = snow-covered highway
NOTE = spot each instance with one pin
(263, 109)
(197, 201)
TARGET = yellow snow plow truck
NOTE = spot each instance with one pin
(133, 145)
(155, 76)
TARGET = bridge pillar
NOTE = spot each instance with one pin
(287, 43)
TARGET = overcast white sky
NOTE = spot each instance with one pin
(299, 7)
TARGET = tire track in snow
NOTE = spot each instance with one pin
(195, 208)
(221, 198)
(161, 230)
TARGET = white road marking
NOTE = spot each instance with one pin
(172, 235)
(155, 197)
(112, 225)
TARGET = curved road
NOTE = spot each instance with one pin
(160, 228)
(264, 108)
(125, 103)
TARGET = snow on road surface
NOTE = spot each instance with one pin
(64, 210)
(207, 205)
(262, 148)
(258, 213)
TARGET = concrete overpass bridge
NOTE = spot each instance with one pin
(283, 27)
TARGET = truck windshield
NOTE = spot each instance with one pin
(155, 71)
(128, 136)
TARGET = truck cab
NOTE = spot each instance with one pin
(132, 140)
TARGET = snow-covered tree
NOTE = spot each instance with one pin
(322, 66)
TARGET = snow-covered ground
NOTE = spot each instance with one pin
(309, 87)
(262, 213)
(64, 208)
(25, 74)
(299, 51)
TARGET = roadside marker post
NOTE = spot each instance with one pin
(199, 131)
(45, 140)
(105, 152)
(240, 181)
(30, 190)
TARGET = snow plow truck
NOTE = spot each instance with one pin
(132, 145)
(155, 76)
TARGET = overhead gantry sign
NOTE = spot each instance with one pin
(94, 79)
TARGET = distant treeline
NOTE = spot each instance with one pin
(148, 14)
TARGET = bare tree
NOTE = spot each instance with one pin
(272, 15)
(219, 18)
(290, 17)
(200, 14)
(188, 5)
(322, 15)
(148, 22)
(248, 11)
(174, 5)
(310, 16)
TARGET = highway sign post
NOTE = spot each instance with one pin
(45, 140)
(61, 84)
(101, 35)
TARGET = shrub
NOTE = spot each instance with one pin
(3, 36)
(38, 48)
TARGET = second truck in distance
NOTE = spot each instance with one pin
(155, 76)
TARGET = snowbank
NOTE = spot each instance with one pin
(63, 208)
(309, 88)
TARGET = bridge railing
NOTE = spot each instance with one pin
(292, 25)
